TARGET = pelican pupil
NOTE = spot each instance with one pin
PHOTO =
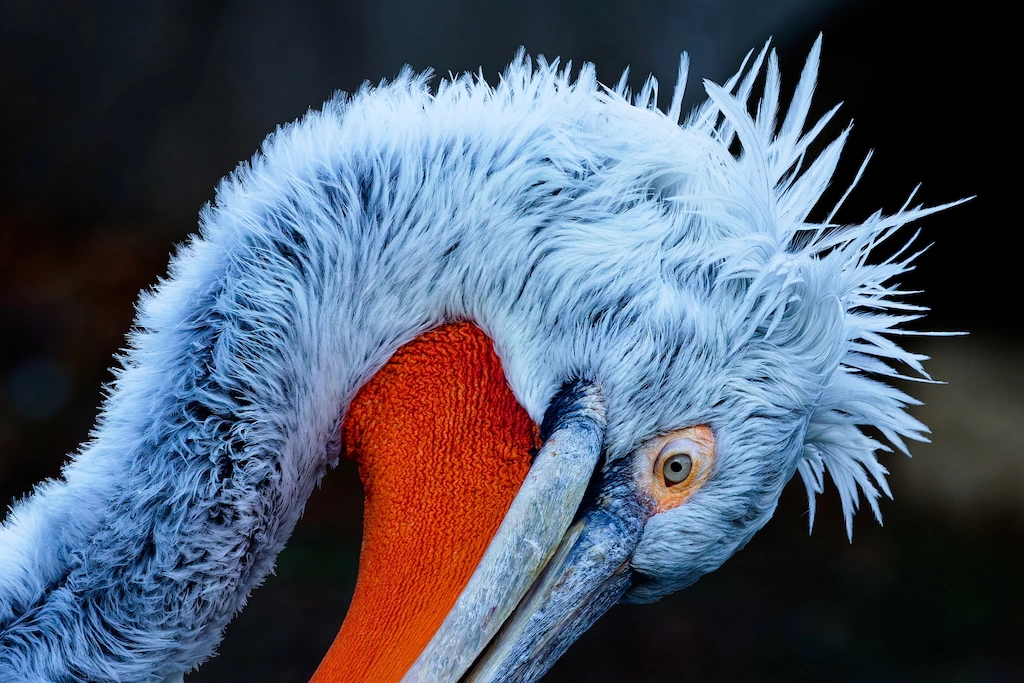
(677, 468)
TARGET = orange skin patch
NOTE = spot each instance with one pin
(442, 447)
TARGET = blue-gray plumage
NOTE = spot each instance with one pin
(591, 238)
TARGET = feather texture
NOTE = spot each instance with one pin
(587, 236)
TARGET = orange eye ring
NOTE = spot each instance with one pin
(671, 468)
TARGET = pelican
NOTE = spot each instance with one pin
(576, 347)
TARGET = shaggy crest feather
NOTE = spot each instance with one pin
(586, 235)
(851, 399)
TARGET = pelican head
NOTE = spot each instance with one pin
(576, 346)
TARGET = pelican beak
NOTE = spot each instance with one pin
(554, 566)
(587, 575)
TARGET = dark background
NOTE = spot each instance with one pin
(120, 117)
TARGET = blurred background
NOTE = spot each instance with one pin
(120, 117)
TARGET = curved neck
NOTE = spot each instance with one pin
(311, 271)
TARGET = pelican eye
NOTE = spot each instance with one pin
(677, 468)
(674, 466)
(676, 463)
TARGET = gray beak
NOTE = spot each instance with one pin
(588, 574)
